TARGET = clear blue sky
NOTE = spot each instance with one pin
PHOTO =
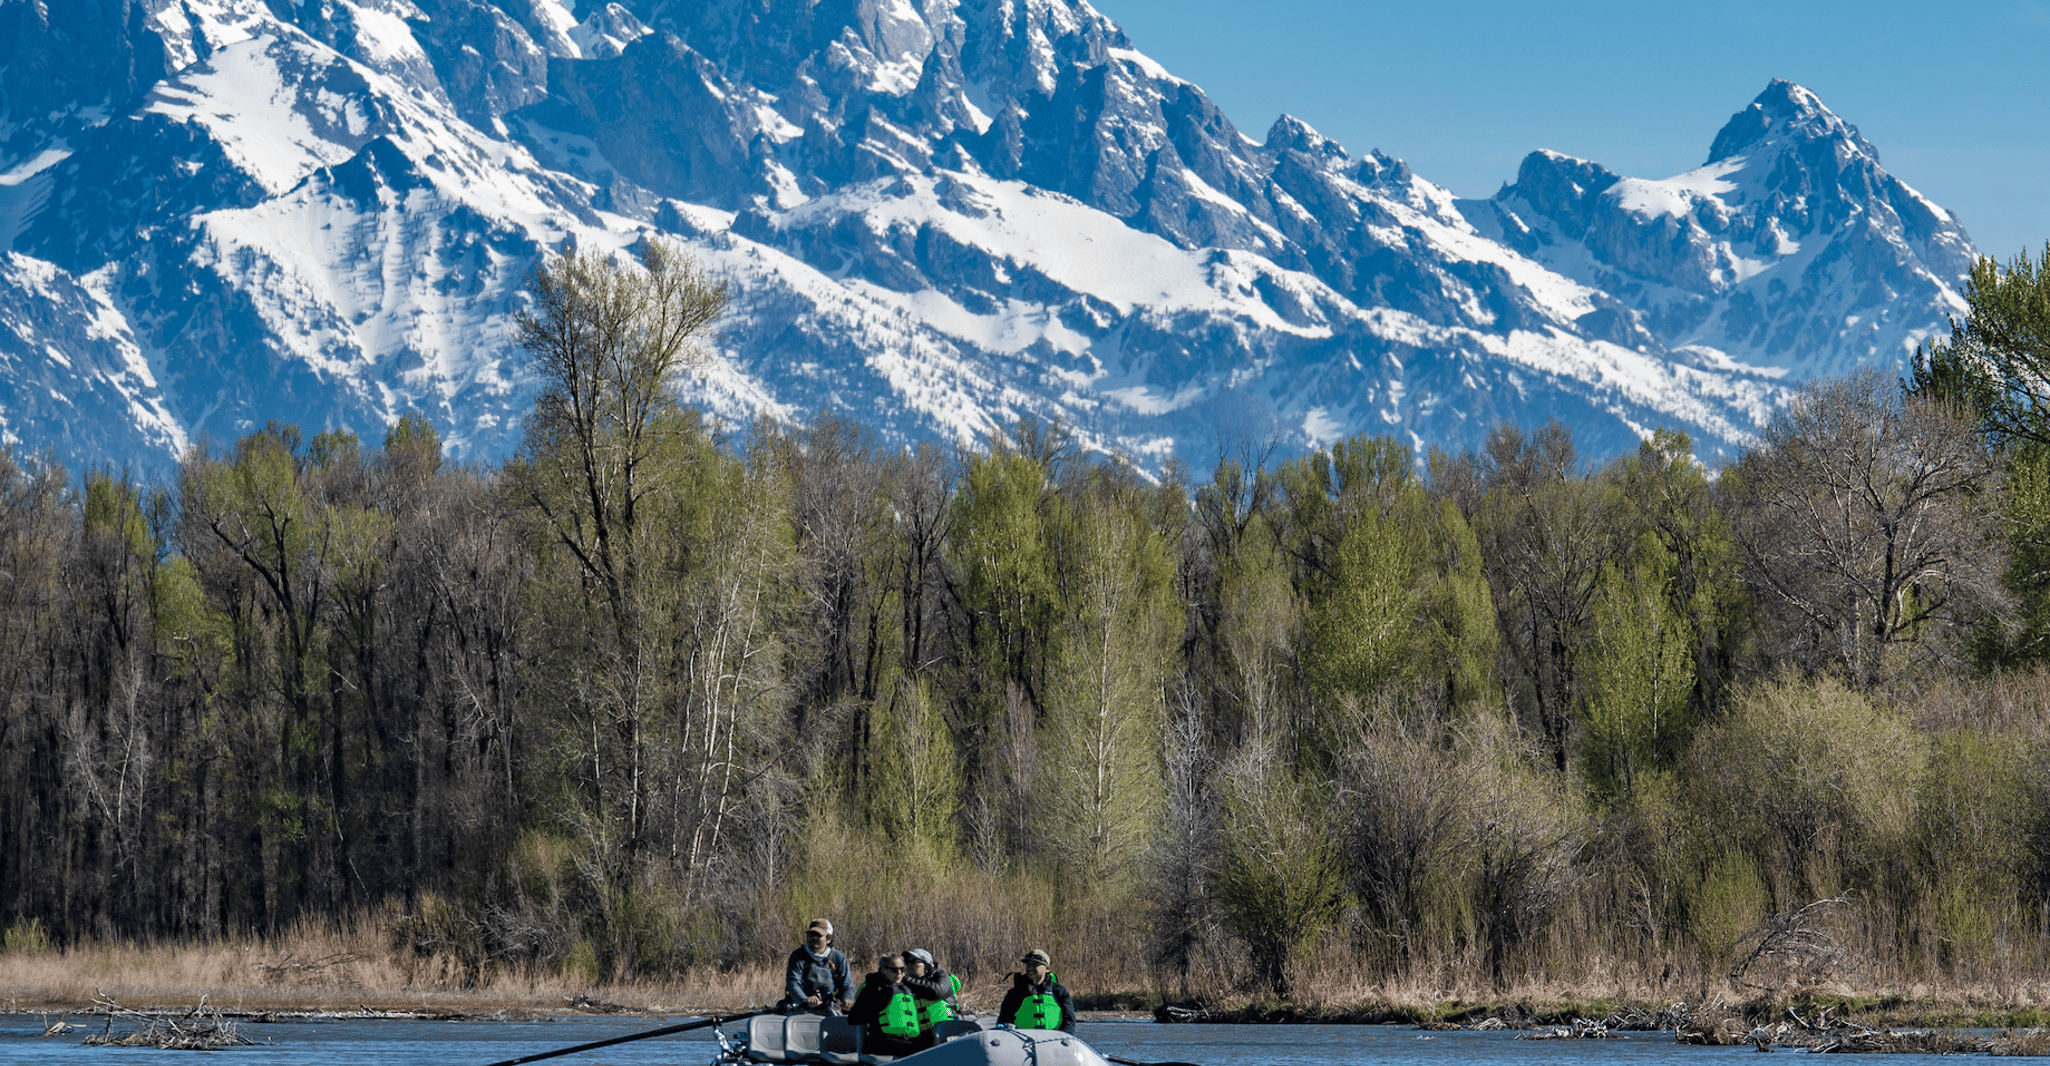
(1955, 95)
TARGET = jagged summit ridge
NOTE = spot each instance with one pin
(941, 215)
(1791, 248)
(1787, 112)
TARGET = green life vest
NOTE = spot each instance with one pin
(900, 1016)
(1040, 1011)
(932, 1012)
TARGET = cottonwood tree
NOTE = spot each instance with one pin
(1641, 677)
(608, 456)
(1869, 522)
(1101, 796)
(1666, 501)
(273, 541)
(1003, 573)
(609, 342)
(1545, 535)
(1246, 615)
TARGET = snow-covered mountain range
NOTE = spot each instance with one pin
(939, 215)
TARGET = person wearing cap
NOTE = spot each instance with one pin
(816, 979)
(1037, 999)
(933, 989)
(886, 1011)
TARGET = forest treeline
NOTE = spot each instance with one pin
(650, 693)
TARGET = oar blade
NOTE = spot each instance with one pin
(596, 1044)
(1130, 1062)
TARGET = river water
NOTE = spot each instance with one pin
(391, 1042)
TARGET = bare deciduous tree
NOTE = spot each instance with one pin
(1869, 522)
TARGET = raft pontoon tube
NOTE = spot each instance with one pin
(813, 1040)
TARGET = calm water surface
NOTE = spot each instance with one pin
(378, 1042)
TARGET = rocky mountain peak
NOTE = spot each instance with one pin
(1561, 187)
(1291, 134)
(1754, 254)
(1788, 114)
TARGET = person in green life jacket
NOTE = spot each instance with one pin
(933, 989)
(886, 1011)
(1037, 999)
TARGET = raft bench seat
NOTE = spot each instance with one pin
(765, 1038)
(809, 1038)
(804, 1038)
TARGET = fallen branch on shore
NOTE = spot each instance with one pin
(1581, 1029)
(1822, 1035)
(200, 1029)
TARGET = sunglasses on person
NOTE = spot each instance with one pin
(893, 969)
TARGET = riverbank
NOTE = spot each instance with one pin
(360, 974)
(331, 988)
(1878, 1012)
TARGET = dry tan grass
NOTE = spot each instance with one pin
(976, 923)
(319, 968)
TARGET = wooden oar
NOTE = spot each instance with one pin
(596, 1044)
(1129, 1062)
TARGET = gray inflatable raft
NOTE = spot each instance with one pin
(818, 1041)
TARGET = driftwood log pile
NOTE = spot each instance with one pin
(1820, 1034)
(202, 1028)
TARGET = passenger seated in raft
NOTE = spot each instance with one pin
(1037, 999)
(933, 990)
(886, 1011)
(816, 980)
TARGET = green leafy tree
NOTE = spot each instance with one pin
(1458, 646)
(1248, 616)
(609, 342)
(1101, 794)
(1280, 880)
(277, 535)
(1004, 566)
(1665, 494)
(2026, 508)
(913, 794)
(1362, 630)
(606, 475)
(1640, 680)
(1997, 361)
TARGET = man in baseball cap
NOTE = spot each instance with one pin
(1037, 999)
(816, 979)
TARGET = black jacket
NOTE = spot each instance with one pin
(1021, 987)
(934, 985)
